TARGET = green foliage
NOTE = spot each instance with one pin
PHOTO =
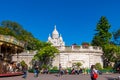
(108, 68)
(116, 37)
(45, 66)
(103, 35)
(6, 31)
(112, 53)
(55, 68)
(98, 66)
(22, 63)
(102, 38)
(14, 29)
(46, 54)
(77, 64)
(31, 70)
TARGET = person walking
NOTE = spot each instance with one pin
(25, 69)
(36, 71)
(93, 73)
(61, 71)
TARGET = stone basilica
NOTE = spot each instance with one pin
(87, 55)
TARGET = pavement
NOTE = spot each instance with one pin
(30, 76)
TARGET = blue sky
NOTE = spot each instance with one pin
(75, 19)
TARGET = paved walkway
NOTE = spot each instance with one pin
(64, 77)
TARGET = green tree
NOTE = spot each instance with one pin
(116, 37)
(6, 31)
(15, 29)
(22, 63)
(110, 52)
(78, 64)
(46, 54)
(102, 38)
(13, 26)
(98, 66)
(102, 35)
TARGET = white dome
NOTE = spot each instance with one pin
(56, 39)
(61, 38)
(49, 38)
(55, 31)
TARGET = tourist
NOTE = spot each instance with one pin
(45, 71)
(80, 71)
(36, 71)
(93, 72)
(10, 69)
(61, 71)
(73, 71)
(25, 69)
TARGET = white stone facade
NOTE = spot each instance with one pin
(85, 56)
(26, 56)
(68, 55)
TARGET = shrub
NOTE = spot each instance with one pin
(98, 66)
(55, 68)
(108, 68)
(22, 63)
(45, 66)
(31, 70)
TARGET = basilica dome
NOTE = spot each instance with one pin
(55, 31)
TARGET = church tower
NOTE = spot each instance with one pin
(56, 39)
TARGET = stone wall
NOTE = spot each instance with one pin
(86, 56)
(26, 56)
(87, 59)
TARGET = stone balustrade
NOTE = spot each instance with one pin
(82, 48)
(11, 39)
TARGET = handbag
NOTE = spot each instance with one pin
(95, 75)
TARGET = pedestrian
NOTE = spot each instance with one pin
(36, 71)
(25, 69)
(61, 71)
(93, 73)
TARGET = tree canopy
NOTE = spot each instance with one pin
(46, 55)
(103, 38)
(116, 37)
(14, 29)
(102, 35)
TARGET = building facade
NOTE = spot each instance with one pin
(87, 55)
